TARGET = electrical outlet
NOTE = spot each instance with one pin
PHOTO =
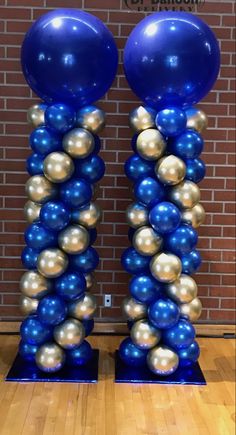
(107, 300)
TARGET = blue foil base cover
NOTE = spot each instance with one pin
(185, 376)
(24, 371)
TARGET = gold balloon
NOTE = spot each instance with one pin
(79, 143)
(142, 118)
(170, 170)
(35, 115)
(83, 308)
(89, 216)
(39, 189)
(52, 262)
(196, 120)
(50, 358)
(58, 167)
(146, 241)
(136, 215)
(183, 290)
(92, 118)
(144, 335)
(150, 144)
(134, 310)
(166, 267)
(73, 239)
(69, 334)
(28, 305)
(194, 216)
(89, 280)
(185, 195)
(32, 211)
(34, 285)
(162, 361)
(192, 310)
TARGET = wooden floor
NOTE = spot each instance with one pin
(121, 409)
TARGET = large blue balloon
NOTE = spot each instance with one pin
(44, 140)
(33, 331)
(54, 215)
(39, 237)
(79, 356)
(182, 241)
(70, 285)
(144, 288)
(137, 168)
(191, 262)
(188, 145)
(92, 235)
(60, 117)
(179, 336)
(91, 169)
(29, 258)
(69, 56)
(133, 262)
(163, 313)
(131, 354)
(76, 192)
(149, 191)
(195, 170)
(27, 351)
(34, 164)
(189, 355)
(88, 325)
(85, 262)
(171, 59)
(165, 217)
(171, 121)
(51, 310)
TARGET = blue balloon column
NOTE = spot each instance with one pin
(69, 59)
(171, 61)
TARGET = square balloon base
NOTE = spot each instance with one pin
(24, 371)
(185, 376)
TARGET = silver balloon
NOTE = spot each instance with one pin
(144, 335)
(39, 189)
(170, 170)
(165, 267)
(183, 290)
(52, 263)
(58, 167)
(69, 334)
(35, 115)
(133, 309)
(196, 119)
(162, 361)
(192, 311)
(150, 144)
(89, 216)
(146, 241)
(83, 308)
(136, 215)
(50, 358)
(74, 239)
(92, 118)
(34, 285)
(142, 118)
(185, 195)
(78, 143)
(194, 216)
(32, 211)
(28, 305)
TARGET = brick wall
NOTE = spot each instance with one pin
(215, 279)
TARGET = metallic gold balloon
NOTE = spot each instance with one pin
(69, 334)
(32, 211)
(39, 189)
(196, 120)
(134, 310)
(35, 115)
(50, 357)
(146, 241)
(83, 308)
(150, 144)
(78, 143)
(73, 239)
(183, 290)
(144, 335)
(162, 361)
(58, 167)
(141, 118)
(89, 278)
(136, 215)
(52, 263)
(170, 170)
(192, 310)
(185, 194)
(92, 118)
(34, 285)
(89, 216)
(166, 267)
(194, 216)
(28, 305)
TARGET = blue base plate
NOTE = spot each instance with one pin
(185, 376)
(24, 371)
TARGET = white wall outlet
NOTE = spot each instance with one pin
(107, 300)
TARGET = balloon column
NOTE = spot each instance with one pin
(171, 61)
(69, 59)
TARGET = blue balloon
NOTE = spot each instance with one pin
(189, 355)
(88, 325)
(133, 262)
(34, 164)
(182, 241)
(69, 56)
(144, 288)
(79, 356)
(137, 168)
(76, 192)
(188, 145)
(171, 121)
(195, 170)
(85, 262)
(70, 285)
(163, 313)
(55, 215)
(27, 351)
(134, 140)
(60, 117)
(29, 258)
(91, 169)
(44, 140)
(39, 237)
(131, 232)
(171, 59)
(165, 217)
(92, 235)
(149, 191)
(179, 336)
(191, 262)
(51, 310)
(34, 332)
(97, 144)
(131, 355)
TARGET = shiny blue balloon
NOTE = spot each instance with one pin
(29, 258)
(165, 217)
(85, 262)
(179, 336)
(163, 313)
(44, 140)
(171, 121)
(51, 310)
(195, 170)
(88, 326)
(131, 355)
(188, 145)
(60, 117)
(70, 285)
(39, 237)
(27, 351)
(171, 59)
(137, 168)
(189, 355)
(76, 192)
(181, 241)
(79, 356)
(133, 262)
(69, 56)
(149, 191)
(97, 144)
(131, 232)
(91, 169)
(55, 215)
(33, 331)
(144, 288)
(92, 235)
(34, 164)
(191, 262)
